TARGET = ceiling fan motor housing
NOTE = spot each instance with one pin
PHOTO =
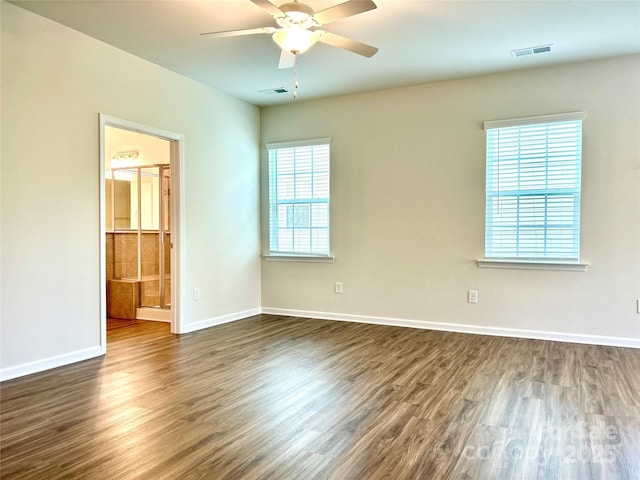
(297, 14)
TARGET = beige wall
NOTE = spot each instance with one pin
(55, 82)
(407, 203)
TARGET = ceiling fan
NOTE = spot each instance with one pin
(299, 28)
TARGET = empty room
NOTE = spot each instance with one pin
(253, 239)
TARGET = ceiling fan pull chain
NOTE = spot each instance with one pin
(295, 78)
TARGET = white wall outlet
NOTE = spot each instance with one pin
(338, 287)
(638, 305)
(472, 296)
(196, 293)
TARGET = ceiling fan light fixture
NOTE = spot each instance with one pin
(295, 40)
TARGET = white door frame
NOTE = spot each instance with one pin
(176, 155)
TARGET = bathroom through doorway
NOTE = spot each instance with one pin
(139, 226)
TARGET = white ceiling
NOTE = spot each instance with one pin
(419, 40)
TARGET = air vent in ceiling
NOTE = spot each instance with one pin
(273, 91)
(531, 50)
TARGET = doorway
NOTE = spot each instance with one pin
(140, 223)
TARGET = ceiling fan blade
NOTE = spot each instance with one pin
(236, 33)
(343, 10)
(269, 7)
(287, 59)
(346, 44)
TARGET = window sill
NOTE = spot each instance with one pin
(299, 258)
(533, 265)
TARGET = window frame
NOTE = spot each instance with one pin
(271, 204)
(538, 263)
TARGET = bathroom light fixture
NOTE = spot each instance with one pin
(124, 159)
(125, 155)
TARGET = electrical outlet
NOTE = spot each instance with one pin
(638, 305)
(196, 293)
(472, 296)
(338, 287)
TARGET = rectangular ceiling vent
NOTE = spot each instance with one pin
(273, 91)
(522, 52)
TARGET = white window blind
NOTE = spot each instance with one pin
(299, 197)
(533, 188)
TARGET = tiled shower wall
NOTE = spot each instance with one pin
(125, 294)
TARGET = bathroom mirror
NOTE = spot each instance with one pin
(118, 197)
(127, 203)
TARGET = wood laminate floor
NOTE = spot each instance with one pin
(288, 398)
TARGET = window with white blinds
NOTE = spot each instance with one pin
(299, 197)
(533, 188)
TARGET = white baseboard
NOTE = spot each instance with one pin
(66, 359)
(461, 328)
(52, 362)
(9, 373)
(211, 322)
